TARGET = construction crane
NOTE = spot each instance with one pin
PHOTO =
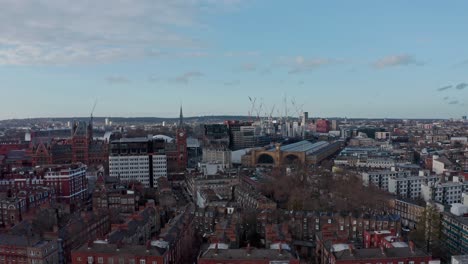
(92, 111)
(94, 107)
(297, 107)
(252, 107)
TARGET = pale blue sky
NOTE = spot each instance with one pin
(142, 58)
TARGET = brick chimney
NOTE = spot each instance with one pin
(148, 246)
(249, 250)
(411, 246)
(90, 244)
(119, 245)
(280, 248)
(216, 248)
(351, 249)
(382, 249)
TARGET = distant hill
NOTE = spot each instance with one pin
(193, 119)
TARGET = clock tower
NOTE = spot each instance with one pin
(181, 141)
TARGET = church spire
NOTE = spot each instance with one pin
(181, 118)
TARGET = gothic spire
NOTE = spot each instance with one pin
(181, 118)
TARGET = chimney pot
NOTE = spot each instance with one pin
(382, 249)
(411, 246)
(351, 249)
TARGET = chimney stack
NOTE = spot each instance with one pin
(119, 245)
(90, 244)
(248, 249)
(280, 248)
(216, 248)
(382, 249)
(411, 246)
(148, 246)
(351, 250)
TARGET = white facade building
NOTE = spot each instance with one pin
(409, 187)
(141, 159)
(217, 156)
(444, 193)
(137, 168)
(380, 178)
(376, 163)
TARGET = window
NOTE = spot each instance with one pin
(142, 261)
(90, 259)
(411, 262)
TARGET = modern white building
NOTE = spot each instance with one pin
(380, 178)
(409, 187)
(220, 156)
(376, 163)
(138, 159)
(382, 135)
(444, 193)
(401, 183)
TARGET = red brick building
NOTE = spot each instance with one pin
(21, 204)
(174, 245)
(374, 239)
(9, 145)
(27, 249)
(247, 256)
(323, 126)
(80, 146)
(330, 250)
(102, 252)
(176, 152)
(71, 185)
(81, 228)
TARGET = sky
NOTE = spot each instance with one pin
(376, 59)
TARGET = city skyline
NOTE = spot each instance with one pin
(372, 60)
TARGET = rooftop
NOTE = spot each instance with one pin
(254, 254)
(135, 250)
(376, 253)
(303, 146)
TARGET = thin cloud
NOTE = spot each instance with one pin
(187, 77)
(444, 88)
(461, 64)
(454, 102)
(446, 98)
(396, 60)
(242, 54)
(232, 83)
(300, 64)
(154, 79)
(248, 67)
(102, 31)
(300, 82)
(117, 80)
(461, 86)
(305, 65)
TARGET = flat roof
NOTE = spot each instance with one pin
(303, 146)
(255, 254)
(132, 140)
(376, 253)
(135, 250)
